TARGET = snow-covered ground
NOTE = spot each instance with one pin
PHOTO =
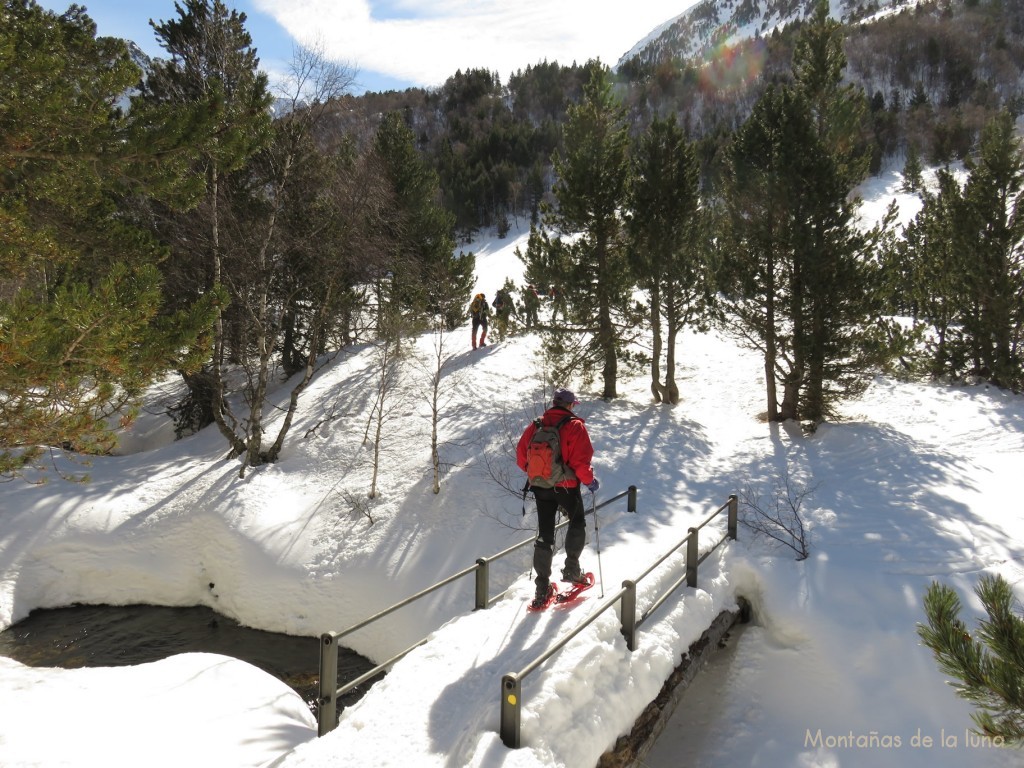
(920, 482)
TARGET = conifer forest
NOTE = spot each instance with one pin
(181, 216)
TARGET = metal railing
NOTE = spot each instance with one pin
(327, 701)
(512, 684)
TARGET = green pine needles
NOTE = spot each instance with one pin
(988, 667)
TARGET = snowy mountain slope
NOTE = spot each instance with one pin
(713, 23)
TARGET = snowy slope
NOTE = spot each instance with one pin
(921, 481)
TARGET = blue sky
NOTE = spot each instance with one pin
(400, 43)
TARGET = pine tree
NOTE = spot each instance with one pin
(425, 278)
(912, 170)
(799, 281)
(962, 263)
(85, 327)
(988, 666)
(839, 109)
(210, 91)
(761, 281)
(995, 230)
(666, 237)
(843, 343)
(924, 273)
(591, 271)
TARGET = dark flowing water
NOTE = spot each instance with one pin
(113, 636)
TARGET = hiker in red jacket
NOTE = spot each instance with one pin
(576, 455)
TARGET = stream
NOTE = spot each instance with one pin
(113, 636)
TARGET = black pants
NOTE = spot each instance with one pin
(548, 502)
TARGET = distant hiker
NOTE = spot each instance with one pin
(558, 486)
(479, 310)
(531, 305)
(557, 303)
(504, 306)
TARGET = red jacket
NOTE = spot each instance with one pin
(577, 452)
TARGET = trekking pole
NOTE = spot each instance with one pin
(597, 539)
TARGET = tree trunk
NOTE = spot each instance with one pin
(605, 327)
(1000, 320)
(291, 360)
(794, 377)
(235, 333)
(657, 390)
(435, 405)
(790, 408)
(606, 336)
(672, 317)
(265, 345)
(813, 407)
(220, 410)
(771, 344)
(274, 452)
(196, 410)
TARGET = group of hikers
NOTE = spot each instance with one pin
(569, 460)
(505, 309)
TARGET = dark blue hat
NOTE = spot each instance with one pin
(564, 396)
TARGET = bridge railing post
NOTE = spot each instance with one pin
(511, 699)
(327, 701)
(733, 516)
(628, 610)
(692, 556)
(631, 499)
(482, 587)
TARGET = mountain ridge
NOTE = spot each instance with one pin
(712, 23)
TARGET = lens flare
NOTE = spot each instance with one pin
(729, 66)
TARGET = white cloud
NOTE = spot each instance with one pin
(435, 38)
